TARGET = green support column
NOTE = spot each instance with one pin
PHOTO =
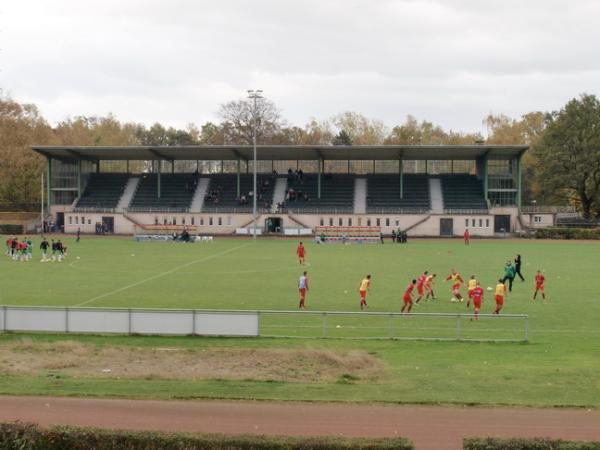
(79, 178)
(158, 178)
(238, 178)
(319, 178)
(485, 178)
(401, 173)
(173, 166)
(49, 187)
(519, 182)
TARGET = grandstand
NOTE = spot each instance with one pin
(384, 194)
(102, 192)
(176, 192)
(424, 190)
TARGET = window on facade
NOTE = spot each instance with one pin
(349, 221)
(387, 222)
(331, 221)
(77, 220)
(201, 221)
(174, 220)
(89, 221)
(82, 220)
(210, 221)
(537, 219)
(473, 222)
(467, 223)
(378, 222)
(368, 222)
(321, 222)
(487, 223)
(397, 223)
(229, 220)
(480, 223)
(220, 221)
(340, 222)
(193, 221)
(70, 220)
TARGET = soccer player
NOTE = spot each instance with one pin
(467, 236)
(500, 292)
(471, 285)
(364, 286)
(457, 280)
(509, 274)
(303, 289)
(301, 252)
(408, 297)
(477, 300)
(429, 286)
(539, 285)
(44, 248)
(29, 243)
(421, 285)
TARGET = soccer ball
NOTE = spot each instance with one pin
(345, 292)
(78, 257)
(489, 288)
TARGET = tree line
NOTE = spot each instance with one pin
(562, 167)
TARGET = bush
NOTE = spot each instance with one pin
(10, 229)
(526, 444)
(19, 436)
(567, 233)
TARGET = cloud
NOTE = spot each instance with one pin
(174, 62)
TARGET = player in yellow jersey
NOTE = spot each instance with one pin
(471, 285)
(500, 293)
(365, 285)
(429, 287)
(457, 280)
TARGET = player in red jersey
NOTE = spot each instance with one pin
(301, 252)
(477, 297)
(421, 286)
(467, 237)
(407, 297)
(303, 289)
(539, 285)
(457, 280)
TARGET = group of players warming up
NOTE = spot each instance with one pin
(424, 285)
(22, 250)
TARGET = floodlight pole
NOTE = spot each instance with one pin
(254, 95)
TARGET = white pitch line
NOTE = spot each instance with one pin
(168, 272)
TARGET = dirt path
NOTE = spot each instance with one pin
(430, 427)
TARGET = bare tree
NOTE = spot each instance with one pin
(238, 116)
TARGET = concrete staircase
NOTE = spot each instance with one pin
(360, 195)
(435, 193)
(199, 195)
(278, 193)
(128, 193)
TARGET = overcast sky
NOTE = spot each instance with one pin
(176, 61)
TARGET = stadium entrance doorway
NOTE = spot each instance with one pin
(109, 224)
(273, 225)
(502, 223)
(60, 222)
(446, 227)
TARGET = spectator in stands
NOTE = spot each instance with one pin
(290, 173)
(305, 197)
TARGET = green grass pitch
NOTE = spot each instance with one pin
(560, 365)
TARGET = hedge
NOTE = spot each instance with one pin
(471, 443)
(19, 435)
(10, 229)
(567, 233)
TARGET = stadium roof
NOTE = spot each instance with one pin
(284, 152)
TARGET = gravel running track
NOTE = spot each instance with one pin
(430, 427)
